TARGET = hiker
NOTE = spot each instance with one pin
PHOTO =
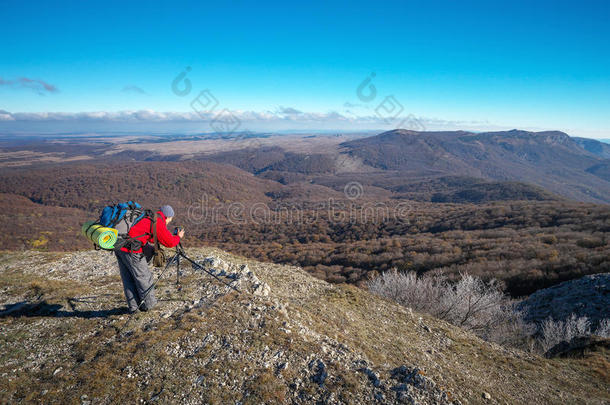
(137, 278)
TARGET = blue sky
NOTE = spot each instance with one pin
(469, 64)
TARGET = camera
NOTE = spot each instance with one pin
(177, 229)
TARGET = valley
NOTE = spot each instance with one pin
(527, 209)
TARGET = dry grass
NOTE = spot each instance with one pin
(468, 366)
(265, 388)
(94, 361)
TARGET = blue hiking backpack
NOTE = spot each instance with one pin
(122, 217)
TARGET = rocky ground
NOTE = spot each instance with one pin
(283, 337)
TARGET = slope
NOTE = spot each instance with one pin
(289, 338)
(92, 186)
(596, 147)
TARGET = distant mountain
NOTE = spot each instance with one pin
(599, 148)
(550, 159)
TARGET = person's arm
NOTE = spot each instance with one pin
(165, 237)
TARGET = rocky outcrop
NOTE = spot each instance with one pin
(588, 296)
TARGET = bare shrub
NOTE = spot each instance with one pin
(472, 304)
(512, 331)
(554, 332)
(419, 293)
(469, 303)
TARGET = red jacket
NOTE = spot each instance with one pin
(144, 227)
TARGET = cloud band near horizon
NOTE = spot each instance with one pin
(281, 114)
(283, 118)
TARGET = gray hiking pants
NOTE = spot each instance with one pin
(137, 280)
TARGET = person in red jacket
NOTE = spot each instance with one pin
(137, 278)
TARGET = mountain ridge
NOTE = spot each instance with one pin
(549, 159)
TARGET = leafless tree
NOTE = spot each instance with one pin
(469, 303)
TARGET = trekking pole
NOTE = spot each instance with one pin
(176, 257)
(178, 270)
(200, 267)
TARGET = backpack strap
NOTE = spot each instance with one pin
(153, 232)
(116, 215)
(154, 225)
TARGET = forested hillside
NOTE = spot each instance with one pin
(527, 244)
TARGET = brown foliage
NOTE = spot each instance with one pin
(527, 245)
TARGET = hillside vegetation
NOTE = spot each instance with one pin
(287, 338)
(526, 244)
